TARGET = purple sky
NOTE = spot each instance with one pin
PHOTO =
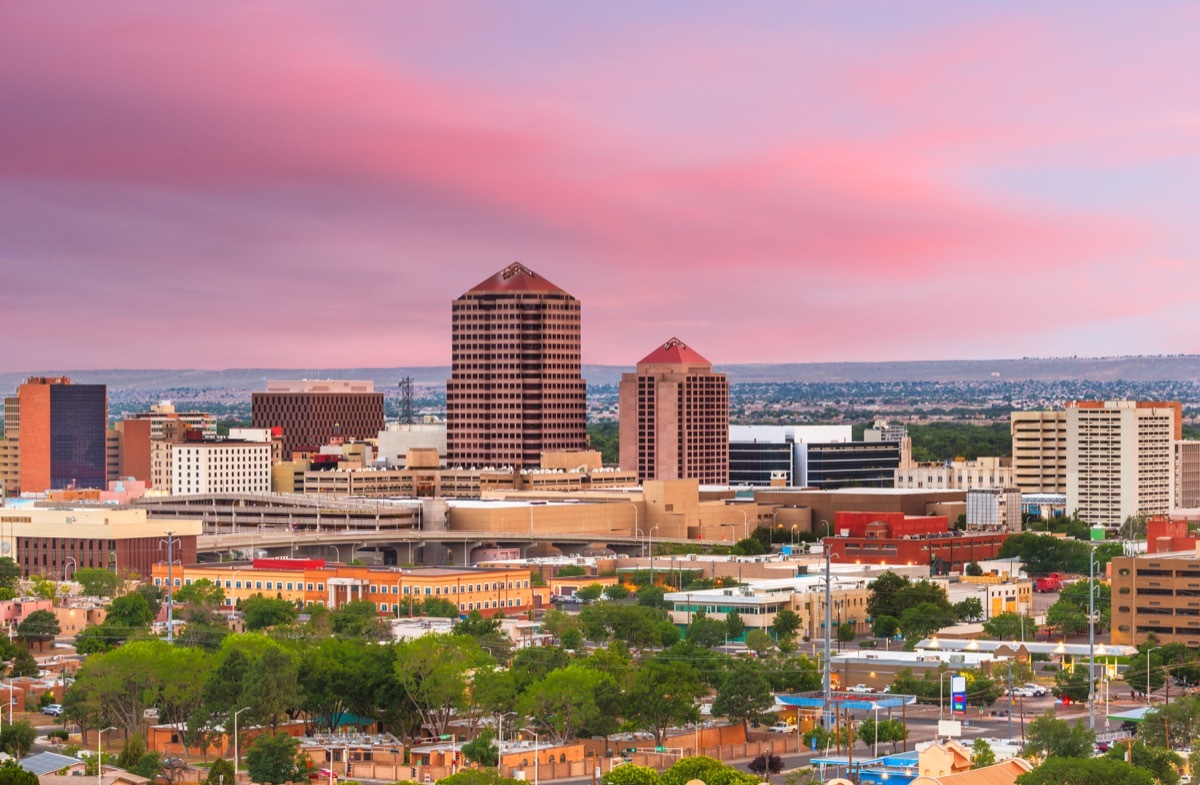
(302, 184)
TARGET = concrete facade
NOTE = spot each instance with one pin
(516, 387)
(220, 467)
(1187, 476)
(1120, 459)
(1039, 451)
(1156, 593)
(674, 417)
(983, 472)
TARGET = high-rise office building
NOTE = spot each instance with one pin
(1120, 459)
(311, 413)
(516, 388)
(1039, 450)
(674, 417)
(63, 432)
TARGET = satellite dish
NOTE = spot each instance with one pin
(5, 546)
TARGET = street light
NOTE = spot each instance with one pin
(74, 570)
(337, 551)
(99, 751)
(235, 743)
(1149, 651)
(941, 692)
(827, 676)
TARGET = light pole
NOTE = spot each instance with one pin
(876, 731)
(235, 743)
(941, 692)
(1092, 639)
(337, 551)
(170, 542)
(1149, 651)
(70, 559)
(99, 751)
(650, 537)
(745, 524)
(827, 676)
(500, 728)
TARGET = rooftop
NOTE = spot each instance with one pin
(516, 278)
(674, 352)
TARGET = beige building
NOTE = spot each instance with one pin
(1187, 476)
(220, 467)
(674, 417)
(12, 416)
(1156, 593)
(1039, 451)
(56, 542)
(159, 413)
(10, 466)
(1120, 459)
(983, 472)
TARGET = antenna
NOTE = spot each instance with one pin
(406, 401)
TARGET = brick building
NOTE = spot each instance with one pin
(63, 434)
(516, 387)
(313, 413)
(896, 538)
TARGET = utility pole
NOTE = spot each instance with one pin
(1092, 639)
(1010, 700)
(828, 621)
(170, 541)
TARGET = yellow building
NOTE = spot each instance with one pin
(392, 590)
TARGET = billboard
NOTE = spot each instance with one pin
(958, 694)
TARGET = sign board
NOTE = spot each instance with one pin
(958, 694)
(952, 728)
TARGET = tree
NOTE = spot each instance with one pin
(617, 592)
(433, 671)
(845, 632)
(923, 620)
(1181, 718)
(260, 612)
(23, 664)
(708, 770)
(628, 774)
(1090, 771)
(705, 632)
(735, 627)
(153, 595)
(589, 593)
(885, 590)
(885, 626)
(750, 546)
(663, 694)
(359, 619)
(1162, 763)
(1006, 626)
(744, 694)
(271, 758)
(1135, 675)
(11, 772)
(200, 592)
(129, 612)
(272, 688)
(98, 582)
(973, 569)
(133, 749)
(1072, 684)
(39, 627)
(17, 738)
(1049, 736)
(220, 772)
(1067, 618)
(10, 573)
(981, 754)
(563, 702)
(652, 597)
(787, 623)
(482, 749)
(969, 609)
(759, 642)
(766, 766)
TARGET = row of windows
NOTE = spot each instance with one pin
(374, 589)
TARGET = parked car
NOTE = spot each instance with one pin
(1021, 692)
(1037, 689)
(323, 774)
(1102, 746)
(861, 689)
(54, 709)
(782, 727)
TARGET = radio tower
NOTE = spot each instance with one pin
(406, 401)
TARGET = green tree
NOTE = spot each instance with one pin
(200, 592)
(981, 754)
(563, 702)
(923, 620)
(662, 695)
(438, 608)
(845, 632)
(17, 738)
(1135, 674)
(708, 770)
(745, 693)
(1089, 771)
(359, 619)
(133, 749)
(261, 612)
(1007, 626)
(153, 595)
(1050, 736)
(1181, 718)
(11, 772)
(433, 672)
(127, 613)
(787, 623)
(10, 573)
(885, 626)
(1067, 618)
(652, 597)
(590, 593)
(271, 758)
(572, 571)
(705, 632)
(482, 749)
(23, 664)
(1072, 684)
(39, 627)
(1162, 763)
(735, 627)
(973, 569)
(628, 774)
(758, 642)
(572, 640)
(98, 582)
(272, 688)
(219, 773)
(884, 593)
(617, 592)
(969, 609)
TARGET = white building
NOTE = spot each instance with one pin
(1120, 459)
(994, 509)
(220, 467)
(983, 472)
(398, 438)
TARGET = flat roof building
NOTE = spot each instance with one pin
(312, 413)
(63, 434)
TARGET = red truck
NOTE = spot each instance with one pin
(1051, 582)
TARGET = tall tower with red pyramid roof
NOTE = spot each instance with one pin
(516, 388)
(675, 417)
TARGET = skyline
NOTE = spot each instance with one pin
(251, 186)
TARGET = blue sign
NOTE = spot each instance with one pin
(958, 694)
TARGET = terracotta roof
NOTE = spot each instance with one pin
(516, 278)
(1003, 773)
(674, 352)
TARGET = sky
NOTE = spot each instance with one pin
(310, 184)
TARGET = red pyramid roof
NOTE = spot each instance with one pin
(674, 352)
(517, 278)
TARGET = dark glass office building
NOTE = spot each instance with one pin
(852, 464)
(62, 432)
